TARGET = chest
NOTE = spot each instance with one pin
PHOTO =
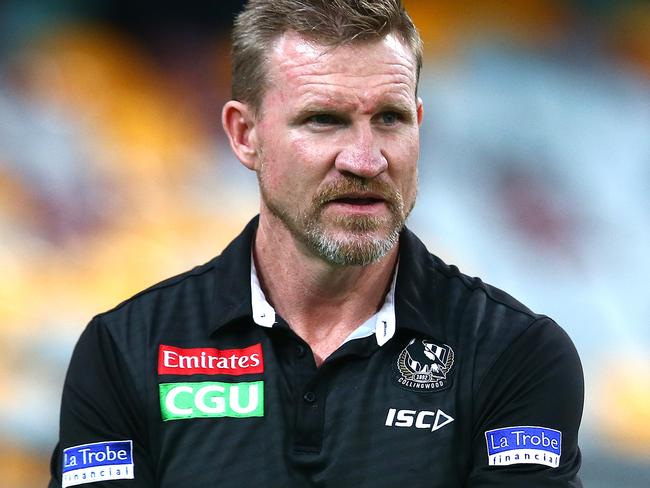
(357, 420)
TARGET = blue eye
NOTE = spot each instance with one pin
(390, 118)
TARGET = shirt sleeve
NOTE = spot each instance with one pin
(527, 413)
(102, 437)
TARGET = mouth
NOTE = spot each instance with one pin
(361, 204)
(362, 199)
(357, 200)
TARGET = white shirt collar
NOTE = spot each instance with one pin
(263, 312)
(382, 323)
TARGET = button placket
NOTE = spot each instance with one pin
(310, 399)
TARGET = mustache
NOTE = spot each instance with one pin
(349, 185)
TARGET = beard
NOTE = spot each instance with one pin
(343, 240)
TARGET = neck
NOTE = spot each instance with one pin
(321, 302)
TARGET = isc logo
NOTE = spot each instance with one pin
(423, 419)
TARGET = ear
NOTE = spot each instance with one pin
(239, 124)
(420, 110)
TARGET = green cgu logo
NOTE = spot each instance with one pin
(211, 399)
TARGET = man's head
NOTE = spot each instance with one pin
(333, 128)
(330, 23)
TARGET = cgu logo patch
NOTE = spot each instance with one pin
(211, 399)
(424, 366)
(206, 360)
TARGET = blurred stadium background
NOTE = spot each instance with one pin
(535, 175)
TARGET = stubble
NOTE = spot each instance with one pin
(341, 240)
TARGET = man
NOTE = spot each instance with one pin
(325, 346)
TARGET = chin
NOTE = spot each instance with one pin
(347, 248)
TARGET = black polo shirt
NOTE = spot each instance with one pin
(178, 386)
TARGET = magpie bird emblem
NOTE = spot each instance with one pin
(424, 365)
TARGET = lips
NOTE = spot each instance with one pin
(358, 200)
(358, 196)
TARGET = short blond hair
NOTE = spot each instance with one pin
(329, 22)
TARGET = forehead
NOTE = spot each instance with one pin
(303, 69)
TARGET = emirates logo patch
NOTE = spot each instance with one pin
(424, 366)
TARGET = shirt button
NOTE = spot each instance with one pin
(309, 397)
(300, 351)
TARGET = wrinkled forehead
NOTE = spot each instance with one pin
(294, 57)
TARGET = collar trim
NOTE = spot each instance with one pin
(415, 296)
(263, 312)
(385, 324)
(382, 323)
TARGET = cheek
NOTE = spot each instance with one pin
(409, 186)
(306, 161)
(292, 166)
(405, 167)
(276, 154)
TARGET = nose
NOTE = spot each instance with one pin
(361, 155)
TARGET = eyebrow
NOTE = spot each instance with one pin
(398, 106)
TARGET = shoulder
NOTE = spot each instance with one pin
(453, 281)
(453, 302)
(506, 341)
(182, 307)
(198, 293)
(490, 315)
(479, 321)
(189, 286)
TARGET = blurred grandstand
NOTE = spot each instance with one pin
(535, 175)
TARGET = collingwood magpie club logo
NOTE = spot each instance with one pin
(424, 366)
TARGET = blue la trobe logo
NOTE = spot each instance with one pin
(524, 445)
(98, 461)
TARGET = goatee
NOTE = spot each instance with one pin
(345, 240)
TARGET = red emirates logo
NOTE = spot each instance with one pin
(206, 360)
